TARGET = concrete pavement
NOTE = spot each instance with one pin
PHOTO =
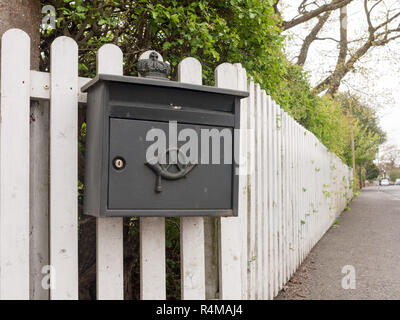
(366, 238)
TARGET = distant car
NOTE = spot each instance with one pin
(385, 182)
(397, 182)
(391, 183)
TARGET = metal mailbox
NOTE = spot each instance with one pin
(121, 178)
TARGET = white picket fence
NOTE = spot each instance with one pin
(294, 190)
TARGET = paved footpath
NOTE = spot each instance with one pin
(368, 238)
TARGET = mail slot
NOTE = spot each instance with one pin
(160, 148)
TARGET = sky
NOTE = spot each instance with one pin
(377, 76)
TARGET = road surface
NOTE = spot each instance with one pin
(366, 238)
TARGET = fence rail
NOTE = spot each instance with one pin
(292, 190)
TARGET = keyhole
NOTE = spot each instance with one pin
(119, 163)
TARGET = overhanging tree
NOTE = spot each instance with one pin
(382, 20)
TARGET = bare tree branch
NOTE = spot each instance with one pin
(311, 37)
(308, 15)
(374, 39)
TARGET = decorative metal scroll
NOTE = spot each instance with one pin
(163, 170)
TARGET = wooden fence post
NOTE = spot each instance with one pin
(192, 228)
(230, 273)
(152, 255)
(14, 165)
(243, 179)
(265, 209)
(252, 217)
(270, 184)
(152, 259)
(259, 194)
(64, 169)
(110, 242)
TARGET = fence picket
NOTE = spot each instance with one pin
(64, 168)
(109, 244)
(14, 165)
(152, 256)
(252, 194)
(229, 253)
(152, 259)
(270, 183)
(275, 203)
(243, 178)
(265, 209)
(286, 194)
(192, 228)
(259, 193)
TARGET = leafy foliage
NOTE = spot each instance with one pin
(372, 171)
(212, 31)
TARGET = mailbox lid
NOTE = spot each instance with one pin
(161, 83)
(206, 186)
(125, 93)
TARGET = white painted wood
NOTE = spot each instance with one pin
(285, 194)
(270, 189)
(280, 200)
(305, 194)
(152, 259)
(274, 198)
(14, 165)
(39, 198)
(301, 197)
(243, 172)
(259, 194)
(41, 83)
(299, 194)
(64, 168)
(309, 168)
(192, 258)
(192, 228)
(230, 247)
(265, 209)
(278, 187)
(110, 242)
(304, 190)
(291, 196)
(109, 259)
(190, 71)
(294, 195)
(292, 188)
(251, 228)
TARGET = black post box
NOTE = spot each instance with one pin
(127, 175)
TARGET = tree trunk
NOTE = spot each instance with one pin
(24, 15)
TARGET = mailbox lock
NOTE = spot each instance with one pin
(119, 163)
